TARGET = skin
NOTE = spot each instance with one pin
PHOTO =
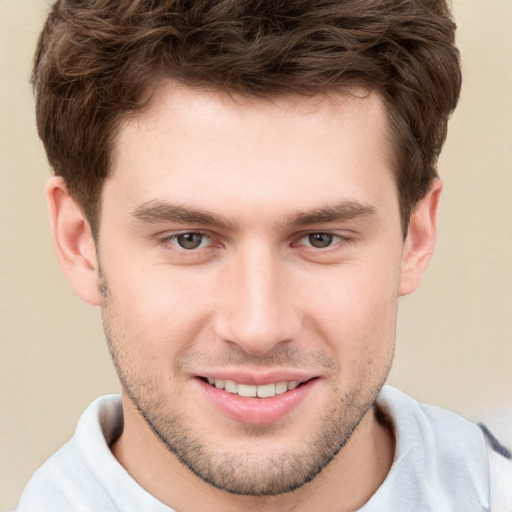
(257, 182)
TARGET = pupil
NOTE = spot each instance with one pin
(190, 240)
(320, 240)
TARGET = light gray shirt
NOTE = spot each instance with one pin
(442, 463)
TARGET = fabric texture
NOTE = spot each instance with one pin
(442, 463)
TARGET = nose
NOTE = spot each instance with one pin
(256, 309)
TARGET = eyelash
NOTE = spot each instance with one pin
(337, 239)
(172, 239)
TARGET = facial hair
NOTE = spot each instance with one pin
(238, 472)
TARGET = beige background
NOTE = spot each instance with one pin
(454, 340)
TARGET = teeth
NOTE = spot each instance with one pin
(247, 390)
(244, 390)
(230, 386)
(266, 390)
(281, 387)
(293, 384)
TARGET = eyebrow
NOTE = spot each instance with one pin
(160, 211)
(340, 212)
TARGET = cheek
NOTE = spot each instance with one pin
(355, 310)
(157, 307)
(150, 323)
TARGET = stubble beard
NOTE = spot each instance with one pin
(247, 474)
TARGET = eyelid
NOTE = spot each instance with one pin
(339, 238)
(170, 238)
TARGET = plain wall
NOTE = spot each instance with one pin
(454, 339)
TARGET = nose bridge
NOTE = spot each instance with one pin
(257, 312)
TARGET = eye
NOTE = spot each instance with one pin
(320, 240)
(190, 241)
(320, 244)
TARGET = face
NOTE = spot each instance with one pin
(250, 259)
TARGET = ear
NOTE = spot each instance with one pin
(420, 240)
(73, 241)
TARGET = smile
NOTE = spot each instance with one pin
(251, 390)
(257, 399)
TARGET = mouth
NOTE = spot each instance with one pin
(252, 390)
(257, 400)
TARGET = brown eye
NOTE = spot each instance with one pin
(320, 240)
(189, 241)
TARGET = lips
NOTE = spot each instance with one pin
(256, 401)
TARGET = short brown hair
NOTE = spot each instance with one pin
(96, 60)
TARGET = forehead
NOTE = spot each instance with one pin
(205, 145)
(188, 109)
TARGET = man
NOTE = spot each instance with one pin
(245, 189)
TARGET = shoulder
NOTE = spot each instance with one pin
(500, 466)
(417, 421)
(84, 475)
(66, 481)
(465, 453)
(54, 486)
(501, 482)
(440, 457)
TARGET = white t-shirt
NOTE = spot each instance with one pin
(442, 463)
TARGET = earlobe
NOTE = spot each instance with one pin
(420, 240)
(73, 241)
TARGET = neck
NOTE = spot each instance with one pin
(345, 484)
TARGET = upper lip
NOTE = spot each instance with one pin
(259, 378)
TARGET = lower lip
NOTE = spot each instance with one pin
(256, 411)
